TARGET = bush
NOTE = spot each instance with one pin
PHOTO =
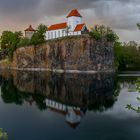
(127, 55)
(39, 36)
(96, 35)
(24, 42)
(112, 37)
(37, 39)
(102, 32)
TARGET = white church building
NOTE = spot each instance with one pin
(72, 26)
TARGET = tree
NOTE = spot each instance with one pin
(9, 41)
(127, 55)
(39, 36)
(3, 135)
(101, 32)
(6, 39)
(24, 42)
(138, 24)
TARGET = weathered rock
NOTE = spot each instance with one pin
(74, 53)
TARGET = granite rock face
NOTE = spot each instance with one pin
(73, 53)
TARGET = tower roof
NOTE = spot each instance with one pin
(74, 13)
(30, 28)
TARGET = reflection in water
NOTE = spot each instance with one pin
(69, 94)
(136, 86)
(3, 135)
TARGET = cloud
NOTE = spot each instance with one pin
(119, 14)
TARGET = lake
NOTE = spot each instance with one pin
(48, 106)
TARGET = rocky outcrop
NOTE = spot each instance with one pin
(72, 53)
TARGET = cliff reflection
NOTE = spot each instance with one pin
(69, 94)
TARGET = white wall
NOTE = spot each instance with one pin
(73, 21)
(55, 34)
(29, 34)
(58, 33)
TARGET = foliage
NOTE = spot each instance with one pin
(6, 39)
(3, 135)
(96, 35)
(138, 24)
(24, 42)
(129, 106)
(9, 41)
(127, 55)
(138, 85)
(10, 94)
(103, 32)
(112, 37)
(39, 36)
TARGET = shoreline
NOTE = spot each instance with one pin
(58, 70)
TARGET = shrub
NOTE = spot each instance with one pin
(112, 37)
(39, 36)
(24, 42)
(102, 32)
(96, 35)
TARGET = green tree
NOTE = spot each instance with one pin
(3, 135)
(127, 55)
(39, 36)
(6, 39)
(9, 41)
(24, 42)
(101, 32)
(138, 24)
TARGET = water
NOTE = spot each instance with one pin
(45, 106)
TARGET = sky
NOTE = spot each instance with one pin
(120, 15)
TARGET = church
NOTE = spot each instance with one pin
(72, 26)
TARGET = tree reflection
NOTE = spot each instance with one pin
(129, 106)
(69, 94)
(3, 135)
(94, 92)
(10, 94)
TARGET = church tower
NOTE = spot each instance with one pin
(73, 19)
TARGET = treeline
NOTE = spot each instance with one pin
(127, 55)
(10, 41)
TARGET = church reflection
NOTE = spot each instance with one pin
(68, 94)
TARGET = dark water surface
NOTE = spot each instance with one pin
(42, 106)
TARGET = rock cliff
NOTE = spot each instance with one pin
(71, 53)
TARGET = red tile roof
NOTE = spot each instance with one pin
(30, 28)
(57, 26)
(74, 13)
(79, 27)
